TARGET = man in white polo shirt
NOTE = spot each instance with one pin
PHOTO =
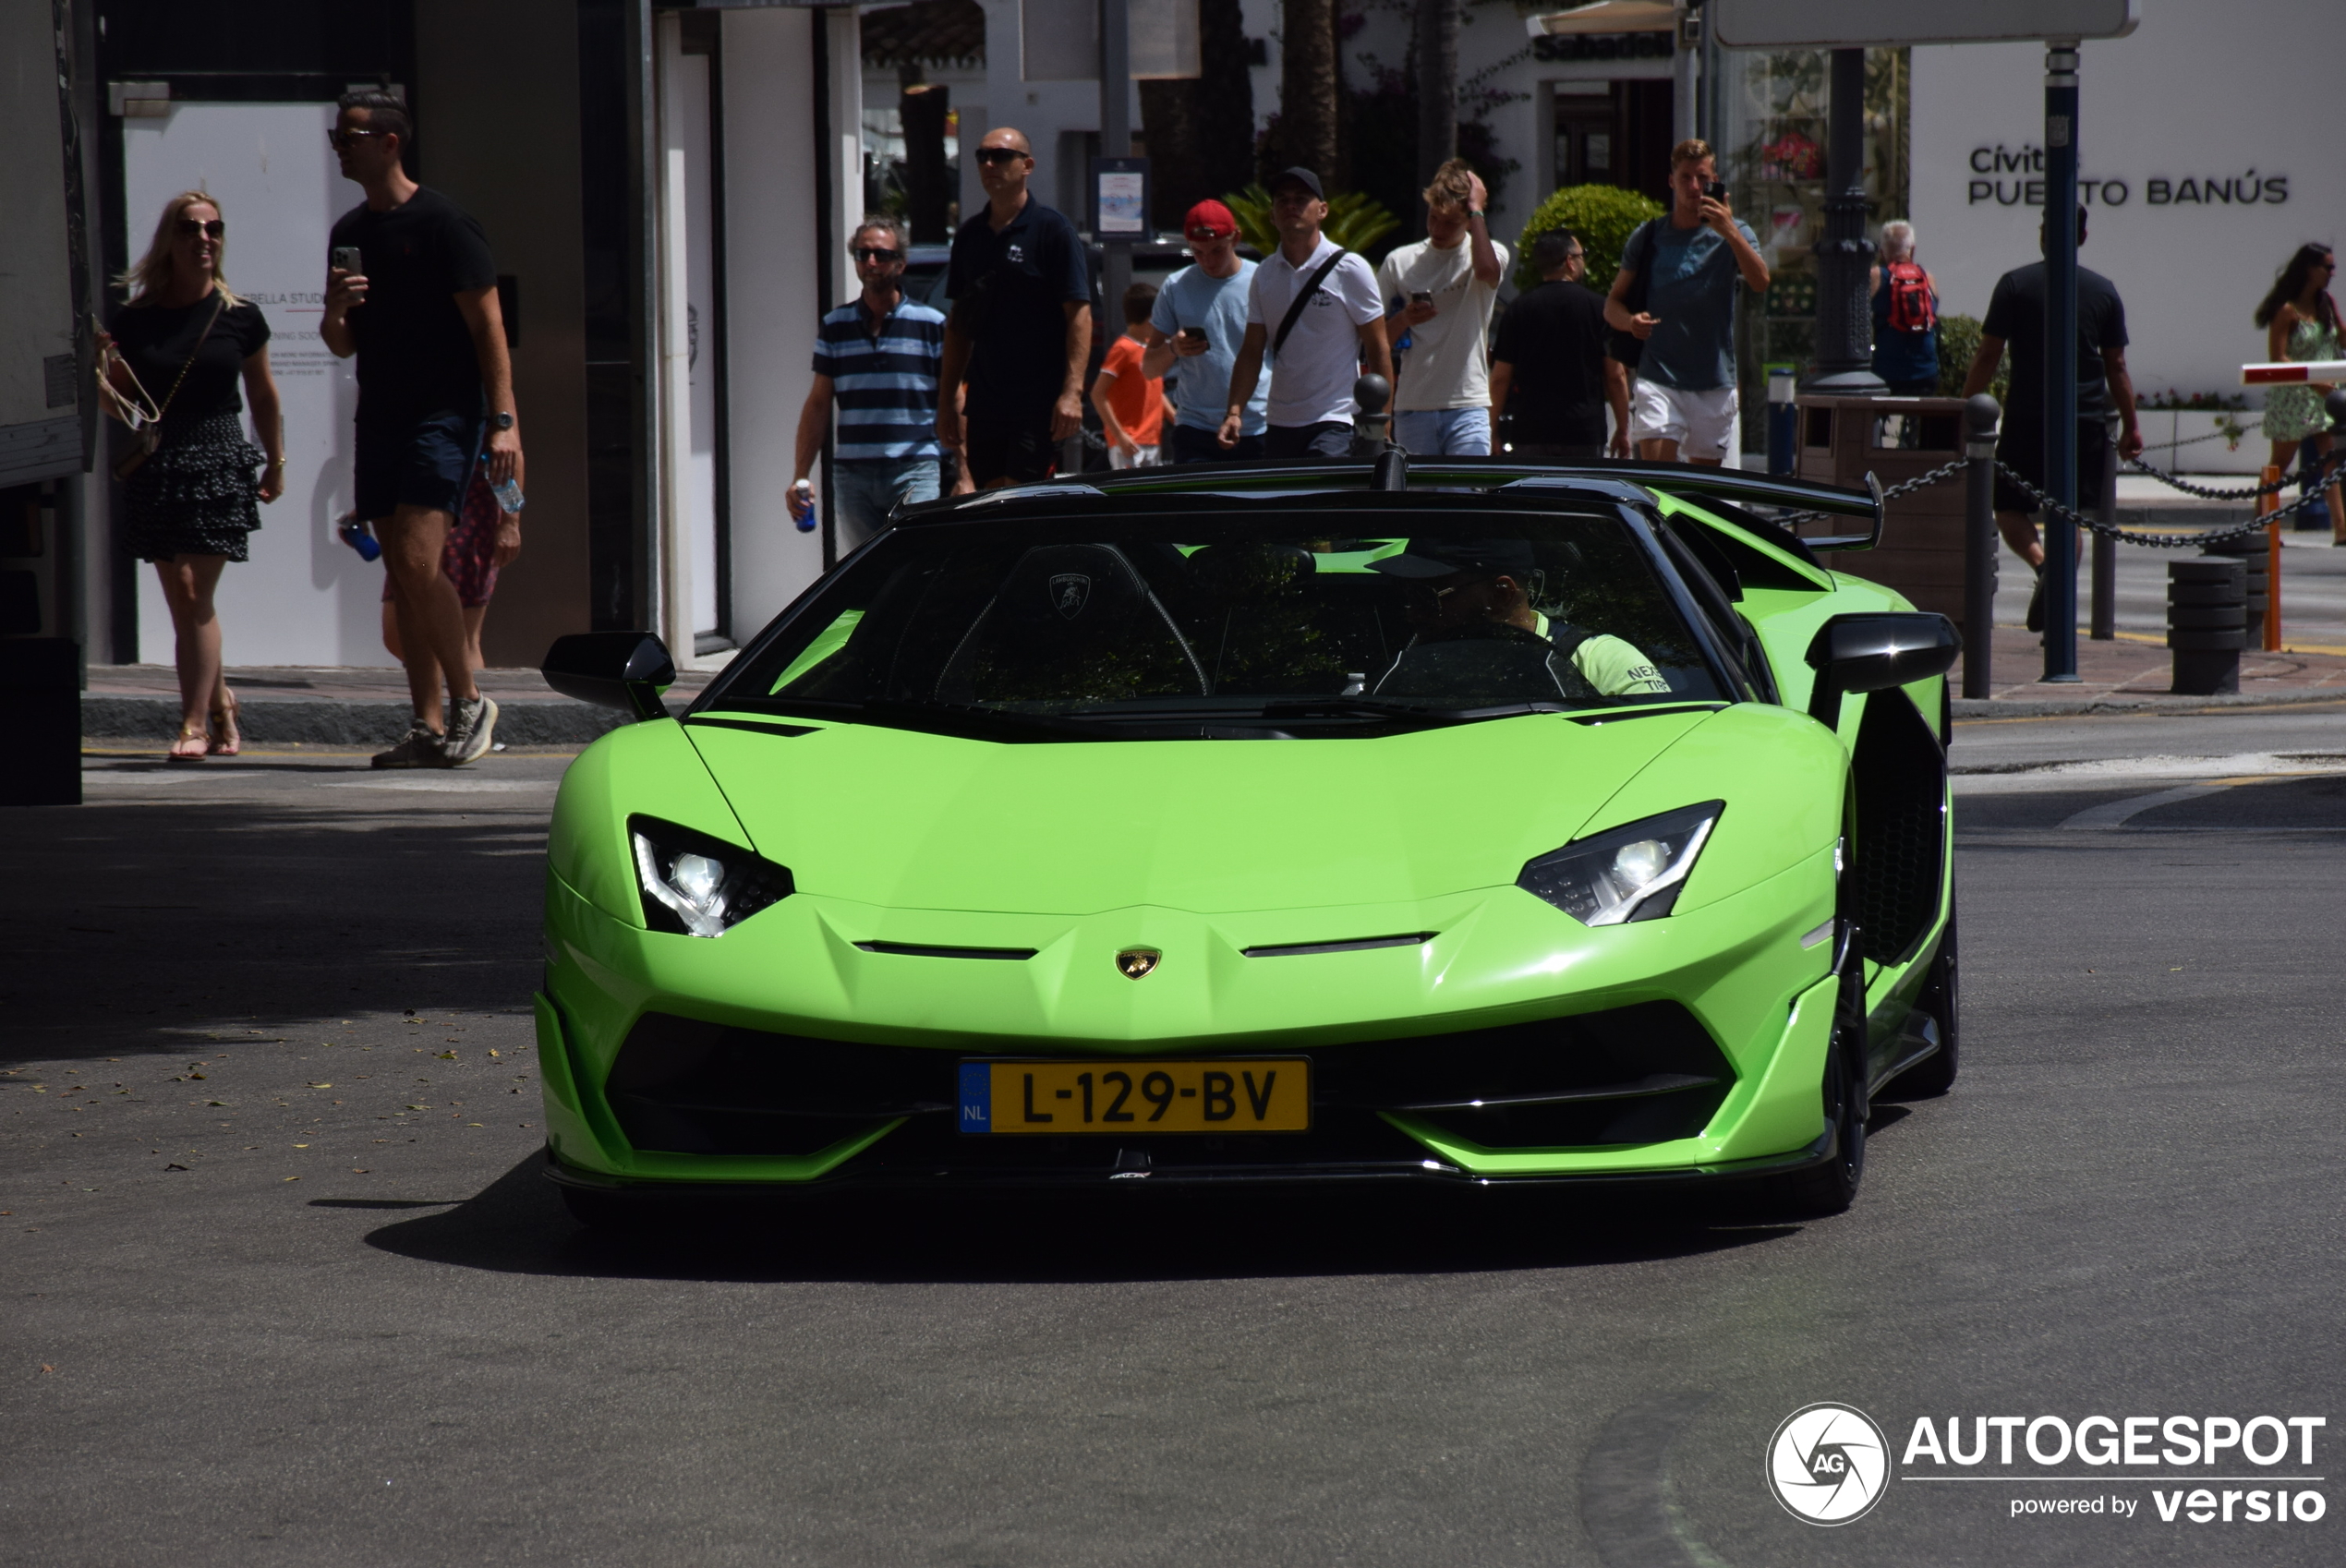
(1314, 308)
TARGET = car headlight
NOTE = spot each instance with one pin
(1624, 874)
(698, 885)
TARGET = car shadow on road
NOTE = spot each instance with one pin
(518, 1226)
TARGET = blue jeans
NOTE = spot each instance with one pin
(864, 491)
(1193, 445)
(1329, 437)
(1444, 432)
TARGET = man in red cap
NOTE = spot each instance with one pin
(1198, 323)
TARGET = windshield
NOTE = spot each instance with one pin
(1230, 619)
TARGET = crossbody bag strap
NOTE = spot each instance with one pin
(1295, 310)
(216, 309)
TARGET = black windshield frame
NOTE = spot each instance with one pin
(738, 687)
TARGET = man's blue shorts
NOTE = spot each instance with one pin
(424, 463)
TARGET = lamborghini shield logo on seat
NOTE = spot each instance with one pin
(1070, 591)
(1133, 963)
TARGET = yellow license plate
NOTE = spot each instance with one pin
(1061, 1098)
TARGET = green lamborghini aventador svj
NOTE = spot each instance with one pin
(1478, 823)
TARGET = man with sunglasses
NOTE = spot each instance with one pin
(1200, 320)
(1020, 333)
(880, 356)
(421, 312)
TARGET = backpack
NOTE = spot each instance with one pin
(1910, 306)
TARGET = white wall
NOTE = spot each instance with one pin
(774, 293)
(304, 597)
(2194, 94)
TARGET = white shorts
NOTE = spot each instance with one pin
(1146, 457)
(1702, 423)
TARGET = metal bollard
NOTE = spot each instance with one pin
(1784, 422)
(2207, 603)
(1980, 416)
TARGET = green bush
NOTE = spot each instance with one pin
(1601, 217)
(1958, 343)
(1355, 222)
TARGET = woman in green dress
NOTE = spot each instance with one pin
(2300, 322)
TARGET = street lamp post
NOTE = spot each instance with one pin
(2060, 356)
(1844, 256)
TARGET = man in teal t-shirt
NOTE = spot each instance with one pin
(1685, 402)
(1195, 331)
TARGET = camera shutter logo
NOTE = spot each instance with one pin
(1828, 1463)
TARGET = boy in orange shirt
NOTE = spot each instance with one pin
(1130, 404)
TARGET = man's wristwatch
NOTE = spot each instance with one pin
(502, 419)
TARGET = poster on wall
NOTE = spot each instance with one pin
(304, 597)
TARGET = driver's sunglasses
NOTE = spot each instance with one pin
(998, 155)
(876, 256)
(344, 141)
(191, 228)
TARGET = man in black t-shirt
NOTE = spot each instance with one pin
(2017, 317)
(421, 312)
(1550, 367)
(1020, 330)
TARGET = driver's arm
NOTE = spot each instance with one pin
(1617, 668)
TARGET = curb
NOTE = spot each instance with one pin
(315, 721)
(2038, 708)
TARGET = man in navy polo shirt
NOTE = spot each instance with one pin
(878, 357)
(1020, 331)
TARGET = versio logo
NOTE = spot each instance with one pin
(1828, 1463)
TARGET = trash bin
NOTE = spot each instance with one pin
(1921, 553)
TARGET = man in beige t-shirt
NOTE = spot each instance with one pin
(1441, 292)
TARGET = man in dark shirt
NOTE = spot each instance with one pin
(1020, 330)
(1550, 366)
(421, 312)
(2017, 317)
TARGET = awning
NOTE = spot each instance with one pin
(1606, 16)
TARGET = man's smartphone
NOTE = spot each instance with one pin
(1194, 334)
(1421, 297)
(1716, 190)
(345, 258)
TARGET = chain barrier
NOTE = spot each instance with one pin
(2160, 541)
(1903, 487)
(2094, 525)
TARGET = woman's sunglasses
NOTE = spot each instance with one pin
(191, 228)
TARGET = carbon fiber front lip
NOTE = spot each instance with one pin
(1432, 1173)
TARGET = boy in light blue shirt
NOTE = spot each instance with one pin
(1197, 325)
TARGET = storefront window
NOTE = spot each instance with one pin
(1774, 108)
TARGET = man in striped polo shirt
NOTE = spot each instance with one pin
(879, 357)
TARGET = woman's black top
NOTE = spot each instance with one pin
(156, 342)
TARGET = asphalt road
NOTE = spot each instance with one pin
(283, 1285)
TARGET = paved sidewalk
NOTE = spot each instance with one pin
(348, 706)
(2136, 673)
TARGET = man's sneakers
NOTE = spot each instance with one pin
(471, 720)
(421, 747)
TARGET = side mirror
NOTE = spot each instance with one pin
(1873, 653)
(622, 670)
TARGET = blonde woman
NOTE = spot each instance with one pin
(176, 353)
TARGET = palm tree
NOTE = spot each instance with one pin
(1307, 128)
(1437, 51)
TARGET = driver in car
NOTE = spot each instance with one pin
(1481, 589)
